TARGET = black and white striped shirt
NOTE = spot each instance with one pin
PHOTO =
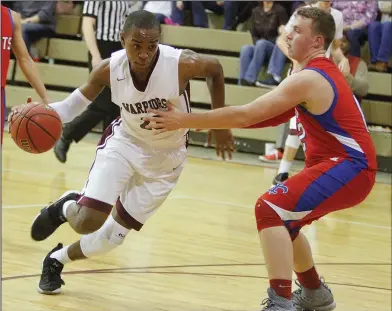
(110, 16)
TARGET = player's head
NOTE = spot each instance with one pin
(140, 38)
(313, 31)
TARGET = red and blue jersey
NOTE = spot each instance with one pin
(341, 131)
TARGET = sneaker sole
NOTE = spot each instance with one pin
(64, 195)
(44, 292)
(263, 159)
(330, 307)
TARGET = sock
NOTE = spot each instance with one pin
(309, 279)
(281, 287)
(61, 255)
(65, 207)
(284, 166)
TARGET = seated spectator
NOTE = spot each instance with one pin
(380, 38)
(198, 9)
(266, 19)
(357, 15)
(162, 10)
(358, 75)
(237, 12)
(38, 20)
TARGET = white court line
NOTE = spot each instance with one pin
(24, 205)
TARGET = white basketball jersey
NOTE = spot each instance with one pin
(163, 85)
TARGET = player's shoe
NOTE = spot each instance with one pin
(320, 299)
(50, 282)
(275, 156)
(51, 217)
(61, 148)
(276, 303)
(280, 178)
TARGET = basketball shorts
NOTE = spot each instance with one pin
(333, 184)
(131, 175)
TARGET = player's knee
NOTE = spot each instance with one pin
(108, 237)
(266, 217)
(89, 220)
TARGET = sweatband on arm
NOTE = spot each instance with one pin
(71, 107)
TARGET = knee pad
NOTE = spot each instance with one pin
(293, 141)
(266, 217)
(102, 241)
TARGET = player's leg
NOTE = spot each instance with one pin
(290, 150)
(136, 205)
(342, 185)
(108, 176)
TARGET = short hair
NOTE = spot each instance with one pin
(322, 22)
(141, 19)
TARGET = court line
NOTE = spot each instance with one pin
(223, 203)
(136, 270)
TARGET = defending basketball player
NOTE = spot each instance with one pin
(11, 38)
(340, 159)
(134, 169)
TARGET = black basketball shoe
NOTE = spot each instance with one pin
(51, 217)
(50, 282)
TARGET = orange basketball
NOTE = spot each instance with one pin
(36, 128)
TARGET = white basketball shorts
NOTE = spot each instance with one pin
(128, 173)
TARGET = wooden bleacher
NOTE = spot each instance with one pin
(67, 77)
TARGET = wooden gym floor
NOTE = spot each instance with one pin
(200, 252)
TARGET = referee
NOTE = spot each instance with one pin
(102, 23)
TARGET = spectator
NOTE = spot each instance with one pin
(358, 75)
(237, 12)
(380, 38)
(266, 20)
(198, 11)
(357, 16)
(102, 23)
(162, 10)
(38, 20)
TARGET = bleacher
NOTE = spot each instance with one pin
(64, 67)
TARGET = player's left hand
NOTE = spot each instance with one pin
(224, 142)
(163, 121)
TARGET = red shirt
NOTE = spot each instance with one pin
(7, 30)
(340, 132)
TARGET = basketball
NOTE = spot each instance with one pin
(36, 128)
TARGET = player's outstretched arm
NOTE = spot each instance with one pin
(25, 61)
(291, 92)
(78, 100)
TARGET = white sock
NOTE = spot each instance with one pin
(284, 166)
(61, 255)
(66, 205)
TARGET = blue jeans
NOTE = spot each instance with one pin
(252, 58)
(198, 12)
(380, 41)
(33, 32)
(357, 37)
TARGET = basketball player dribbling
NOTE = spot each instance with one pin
(340, 166)
(134, 169)
(11, 38)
